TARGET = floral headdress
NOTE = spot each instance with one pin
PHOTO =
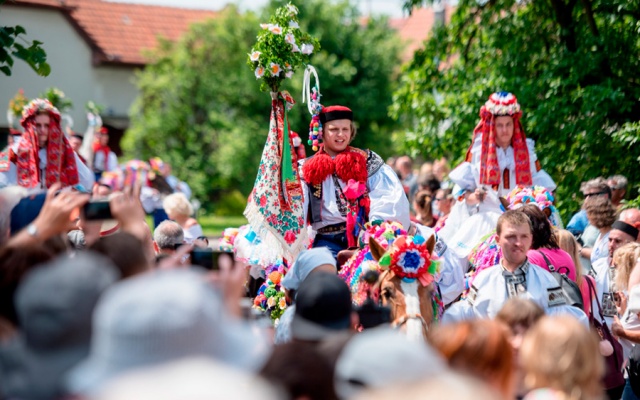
(281, 48)
(537, 195)
(410, 258)
(501, 104)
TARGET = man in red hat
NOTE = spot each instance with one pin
(499, 159)
(44, 156)
(346, 187)
(103, 158)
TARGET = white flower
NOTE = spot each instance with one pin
(265, 26)
(271, 302)
(289, 38)
(293, 24)
(255, 56)
(289, 74)
(307, 48)
(259, 72)
(275, 69)
(292, 9)
(287, 66)
(275, 29)
(295, 48)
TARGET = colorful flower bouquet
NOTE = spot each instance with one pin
(281, 48)
(271, 298)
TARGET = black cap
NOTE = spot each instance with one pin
(323, 306)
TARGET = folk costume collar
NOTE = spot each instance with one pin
(61, 163)
(349, 164)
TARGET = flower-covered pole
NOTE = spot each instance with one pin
(275, 207)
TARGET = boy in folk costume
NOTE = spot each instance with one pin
(103, 158)
(44, 156)
(344, 186)
(499, 159)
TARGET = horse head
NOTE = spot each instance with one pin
(406, 277)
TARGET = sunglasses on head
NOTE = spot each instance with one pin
(595, 194)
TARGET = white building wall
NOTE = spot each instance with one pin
(71, 69)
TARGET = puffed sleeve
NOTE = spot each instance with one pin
(86, 177)
(539, 176)
(388, 200)
(467, 175)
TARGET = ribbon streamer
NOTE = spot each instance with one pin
(306, 88)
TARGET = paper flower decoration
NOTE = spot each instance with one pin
(276, 45)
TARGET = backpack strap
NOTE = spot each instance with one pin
(551, 267)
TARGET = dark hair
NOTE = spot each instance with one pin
(543, 235)
(429, 182)
(423, 202)
(14, 264)
(600, 211)
(301, 370)
(125, 250)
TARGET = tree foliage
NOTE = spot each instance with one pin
(201, 108)
(574, 66)
(14, 45)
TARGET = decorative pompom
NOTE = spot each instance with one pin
(385, 261)
(317, 168)
(351, 165)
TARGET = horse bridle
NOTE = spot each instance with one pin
(398, 322)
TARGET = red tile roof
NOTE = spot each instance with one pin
(119, 32)
(415, 29)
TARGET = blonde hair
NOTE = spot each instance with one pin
(560, 353)
(568, 243)
(624, 259)
(177, 204)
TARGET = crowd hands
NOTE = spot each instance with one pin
(127, 315)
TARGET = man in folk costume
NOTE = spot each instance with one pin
(514, 276)
(499, 159)
(103, 158)
(44, 156)
(344, 186)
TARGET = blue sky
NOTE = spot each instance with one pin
(376, 7)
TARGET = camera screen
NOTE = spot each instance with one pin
(96, 210)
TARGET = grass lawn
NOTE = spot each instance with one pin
(213, 225)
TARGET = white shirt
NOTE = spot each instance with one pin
(192, 233)
(388, 200)
(98, 161)
(603, 290)
(85, 176)
(600, 248)
(467, 174)
(491, 294)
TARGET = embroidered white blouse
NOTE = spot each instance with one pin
(388, 200)
(467, 175)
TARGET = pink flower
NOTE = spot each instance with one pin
(354, 189)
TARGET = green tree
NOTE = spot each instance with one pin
(200, 106)
(575, 67)
(30, 52)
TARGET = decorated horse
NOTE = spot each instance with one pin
(406, 282)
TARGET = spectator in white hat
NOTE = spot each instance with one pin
(381, 357)
(156, 318)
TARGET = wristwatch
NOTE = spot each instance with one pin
(32, 230)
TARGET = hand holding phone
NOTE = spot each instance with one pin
(97, 210)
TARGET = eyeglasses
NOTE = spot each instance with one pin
(595, 194)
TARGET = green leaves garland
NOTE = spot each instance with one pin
(281, 48)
